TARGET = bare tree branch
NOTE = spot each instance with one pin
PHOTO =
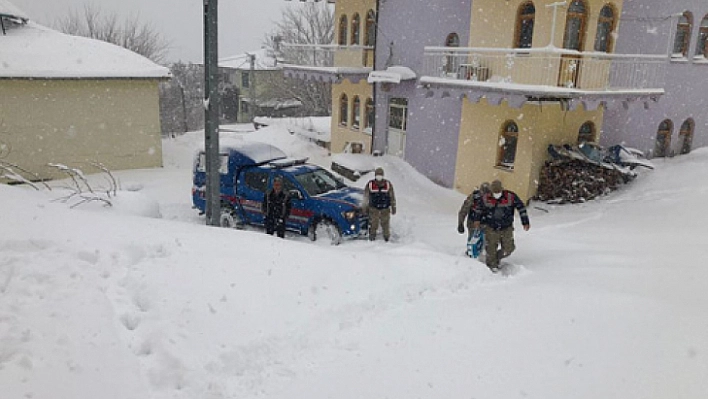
(81, 185)
(131, 33)
(113, 188)
(310, 23)
(12, 174)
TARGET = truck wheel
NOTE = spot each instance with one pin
(325, 232)
(230, 219)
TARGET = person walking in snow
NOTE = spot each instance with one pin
(276, 207)
(497, 212)
(472, 202)
(475, 237)
(379, 203)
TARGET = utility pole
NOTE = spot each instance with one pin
(185, 125)
(252, 85)
(211, 112)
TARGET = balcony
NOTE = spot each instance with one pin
(327, 62)
(546, 72)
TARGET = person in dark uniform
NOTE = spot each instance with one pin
(276, 207)
(472, 202)
(380, 204)
(497, 212)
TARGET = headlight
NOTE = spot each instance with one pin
(349, 215)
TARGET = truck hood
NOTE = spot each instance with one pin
(349, 195)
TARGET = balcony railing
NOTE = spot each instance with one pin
(328, 55)
(589, 71)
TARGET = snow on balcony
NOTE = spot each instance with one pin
(308, 60)
(545, 69)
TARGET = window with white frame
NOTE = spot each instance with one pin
(575, 26)
(343, 31)
(343, 110)
(605, 26)
(356, 112)
(370, 30)
(702, 42)
(370, 115)
(524, 25)
(683, 35)
(356, 30)
(586, 134)
(508, 140)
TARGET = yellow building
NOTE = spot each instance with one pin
(346, 64)
(505, 80)
(75, 101)
(533, 74)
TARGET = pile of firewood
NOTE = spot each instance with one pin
(573, 181)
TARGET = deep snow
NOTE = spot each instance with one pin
(604, 300)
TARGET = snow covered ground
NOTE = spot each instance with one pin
(141, 300)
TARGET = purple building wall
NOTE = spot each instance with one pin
(406, 27)
(648, 27)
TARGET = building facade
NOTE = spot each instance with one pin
(346, 64)
(679, 121)
(251, 85)
(480, 88)
(102, 109)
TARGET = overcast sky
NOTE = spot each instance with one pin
(242, 23)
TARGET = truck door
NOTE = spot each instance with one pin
(252, 190)
(299, 215)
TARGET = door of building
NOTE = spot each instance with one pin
(397, 121)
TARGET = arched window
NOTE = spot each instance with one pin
(702, 44)
(663, 138)
(343, 110)
(683, 35)
(356, 112)
(356, 29)
(686, 135)
(605, 26)
(524, 25)
(343, 27)
(507, 145)
(370, 31)
(370, 114)
(451, 62)
(575, 23)
(586, 134)
(452, 40)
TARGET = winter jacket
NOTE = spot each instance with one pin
(379, 195)
(498, 214)
(472, 202)
(276, 205)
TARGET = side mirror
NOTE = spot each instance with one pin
(295, 194)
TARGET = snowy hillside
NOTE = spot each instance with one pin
(605, 300)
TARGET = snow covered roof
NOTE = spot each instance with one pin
(265, 60)
(10, 10)
(393, 74)
(37, 52)
(245, 152)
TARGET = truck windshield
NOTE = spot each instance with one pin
(319, 182)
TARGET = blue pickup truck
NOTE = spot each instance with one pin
(323, 207)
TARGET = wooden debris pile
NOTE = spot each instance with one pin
(574, 181)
